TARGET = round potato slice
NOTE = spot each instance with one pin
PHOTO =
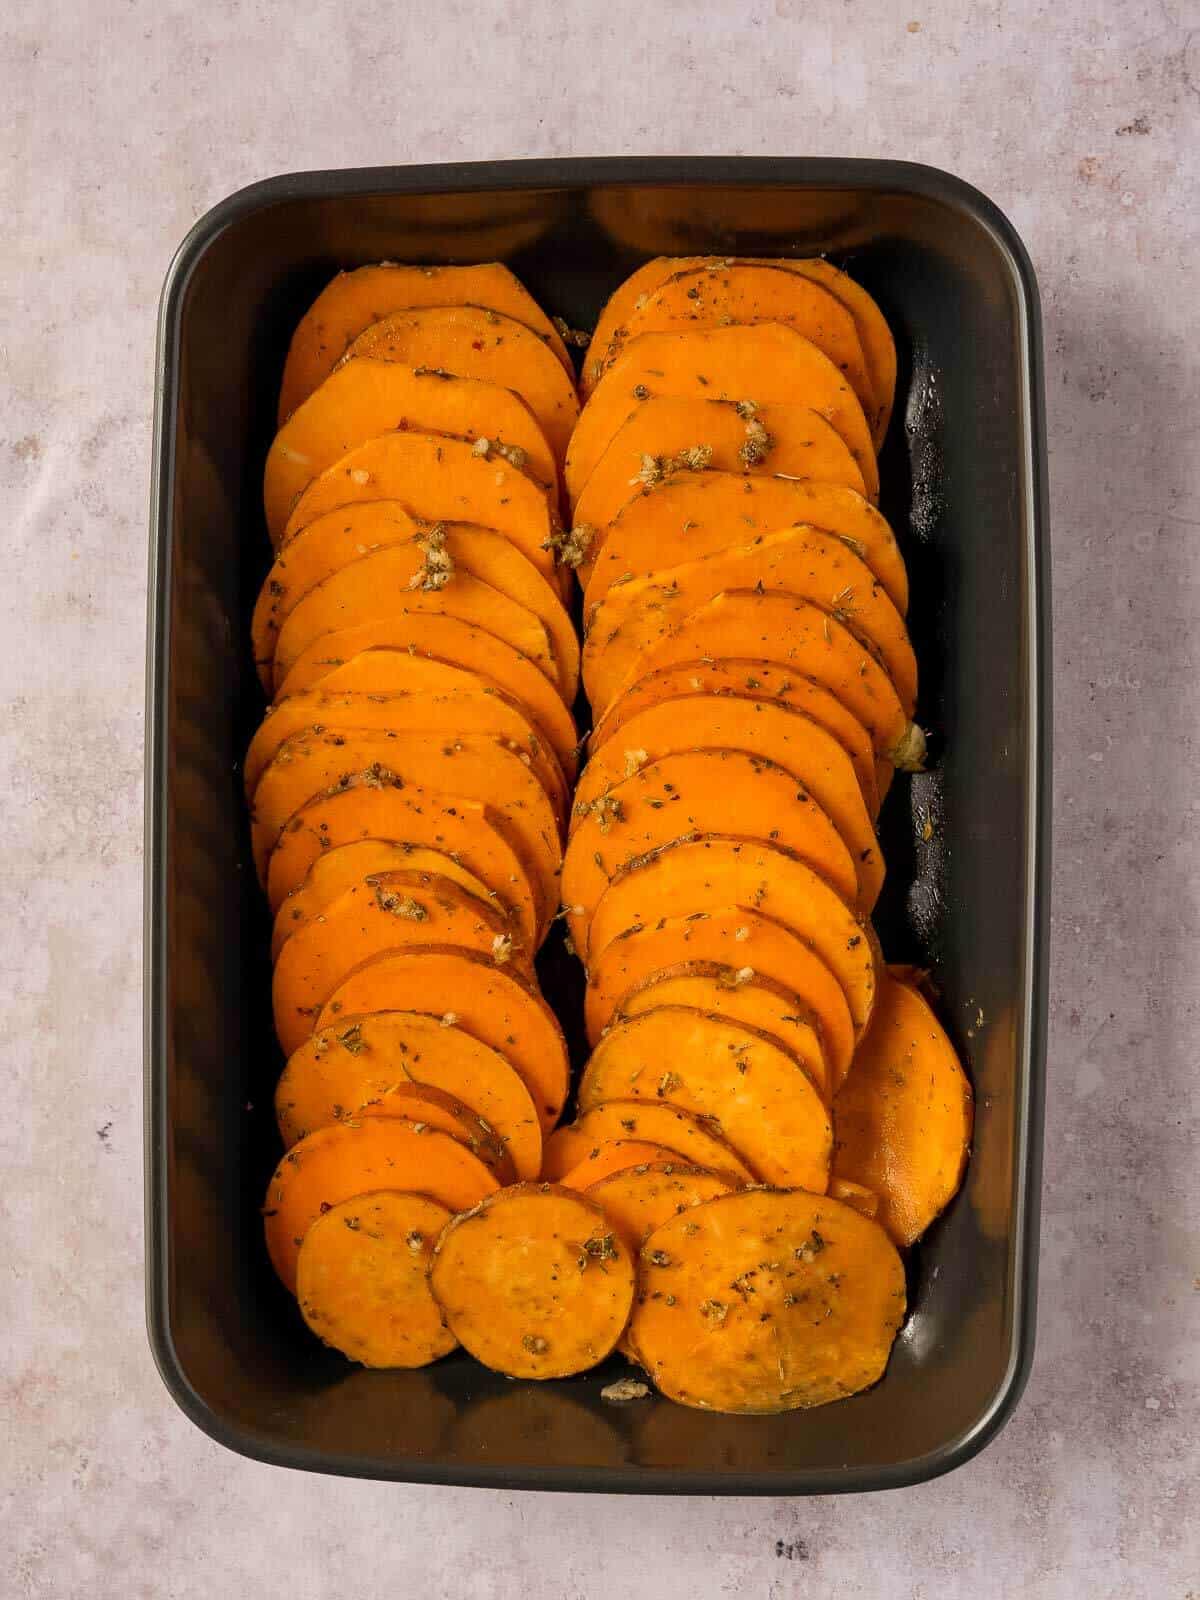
(613, 1155)
(690, 1139)
(535, 1283)
(745, 1084)
(366, 1061)
(352, 301)
(335, 1164)
(362, 1279)
(493, 1004)
(766, 1301)
(637, 1200)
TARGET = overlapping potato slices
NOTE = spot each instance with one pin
(769, 1113)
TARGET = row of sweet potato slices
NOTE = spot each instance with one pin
(753, 687)
(410, 784)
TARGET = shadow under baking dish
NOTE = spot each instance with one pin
(967, 844)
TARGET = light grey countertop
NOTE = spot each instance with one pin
(122, 122)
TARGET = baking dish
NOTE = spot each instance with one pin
(967, 843)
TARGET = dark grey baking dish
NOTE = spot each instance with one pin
(964, 476)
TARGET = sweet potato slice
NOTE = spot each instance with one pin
(739, 995)
(637, 1200)
(689, 1139)
(338, 1163)
(904, 1115)
(363, 1061)
(879, 350)
(329, 550)
(338, 869)
(362, 1279)
(794, 633)
(612, 1155)
(802, 561)
(740, 678)
(711, 872)
(666, 436)
(756, 1093)
(493, 1004)
(388, 670)
(695, 514)
(438, 479)
(473, 343)
(430, 1107)
(733, 938)
(737, 292)
(376, 803)
(367, 398)
(354, 300)
(534, 1283)
(773, 732)
(471, 604)
(474, 766)
(765, 364)
(766, 1301)
(439, 646)
(389, 911)
(392, 582)
(710, 790)
(465, 711)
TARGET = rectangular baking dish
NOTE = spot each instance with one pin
(967, 844)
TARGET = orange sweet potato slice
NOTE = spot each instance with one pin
(740, 293)
(612, 1155)
(464, 711)
(711, 872)
(429, 560)
(637, 1200)
(318, 551)
(766, 1301)
(376, 803)
(765, 364)
(367, 398)
(755, 1092)
(354, 300)
(388, 911)
(743, 679)
(709, 790)
(666, 436)
(362, 1279)
(904, 1115)
(335, 1164)
(689, 1139)
(389, 670)
(733, 938)
(875, 336)
(534, 1283)
(438, 647)
(802, 561)
(776, 733)
(476, 766)
(364, 1061)
(695, 514)
(739, 995)
(400, 578)
(475, 343)
(428, 1106)
(469, 602)
(336, 870)
(794, 633)
(438, 479)
(493, 1004)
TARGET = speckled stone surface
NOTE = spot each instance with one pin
(122, 122)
